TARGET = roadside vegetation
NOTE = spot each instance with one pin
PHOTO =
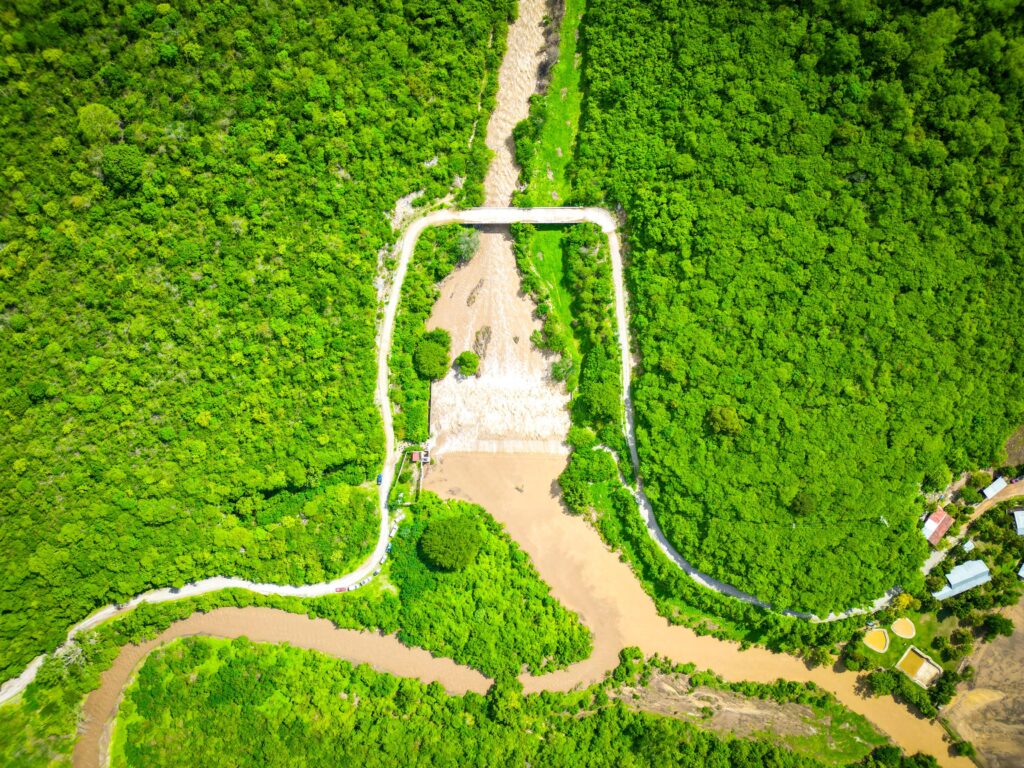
(191, 211)
(419, 356)
(822, 220)
(211, 696)
(491, 612)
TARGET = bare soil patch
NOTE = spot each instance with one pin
(723, 712)
(989, 710)
(1015, 447)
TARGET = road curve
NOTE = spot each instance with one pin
(405, 248)
(212, 624)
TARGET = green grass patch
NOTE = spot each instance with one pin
(843, 737)
(550, 133)
(927, 627)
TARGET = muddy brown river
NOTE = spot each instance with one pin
(518, 488)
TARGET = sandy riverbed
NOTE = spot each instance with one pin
(517, 82)
(511, 406)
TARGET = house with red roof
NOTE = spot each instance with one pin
(936, 525)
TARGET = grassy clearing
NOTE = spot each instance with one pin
(547, 172)
(842, 737)
(928, 626)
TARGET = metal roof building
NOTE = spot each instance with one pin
(963, 577)
(995, 488)
(1018, 520)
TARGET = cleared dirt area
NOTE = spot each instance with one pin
(1015, 447)
(724, 712)
(989, 710)
(511, 405)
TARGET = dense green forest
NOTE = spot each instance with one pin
(230, 703)
(492, 613)
(192, 208)
(823, 205)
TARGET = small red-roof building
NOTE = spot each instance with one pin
(936, 525)
(415, 457)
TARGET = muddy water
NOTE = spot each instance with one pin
(590, 579)
(512, 405)
(517, 82)
(267, 625)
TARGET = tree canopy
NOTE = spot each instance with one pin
(193, 201)
(822, 209)
(451, 543)
(432, 355)
(208, 697)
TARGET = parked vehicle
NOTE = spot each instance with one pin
(341, 589)
(380, 479)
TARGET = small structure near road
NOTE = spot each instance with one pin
(968, 546)
(998, 484)
(963, 577)
(1018, 520)
(936, 525)
(919, 667)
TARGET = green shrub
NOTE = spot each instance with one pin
(468, 363)
(122, 167)
(431, 357)
(451, 543)
(98, 122)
